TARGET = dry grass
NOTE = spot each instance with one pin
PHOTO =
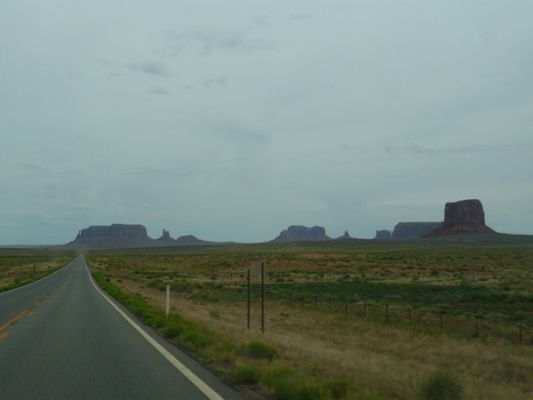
(385, 360)
(19, 267)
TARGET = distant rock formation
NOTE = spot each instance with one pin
(190, 240)
(128, 236)
(297, 233)
(465, 217)
(413, 230)
(346, 236)
(115, 235)
(165, 237)
(383, 234)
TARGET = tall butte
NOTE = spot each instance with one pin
(465, 217)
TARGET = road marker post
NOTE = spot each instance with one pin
(167, 307)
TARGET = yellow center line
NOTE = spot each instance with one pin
(3, 335)
(13, 320)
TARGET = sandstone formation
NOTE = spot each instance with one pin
(383, 234)
(165, 237)
(465, 217)
(127, 236)
(190, 240)
(296, 233)
(115, 235)
(414, 230)
(346, 236)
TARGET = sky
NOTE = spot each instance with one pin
(233, 120)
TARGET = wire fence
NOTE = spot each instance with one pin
(443, 321)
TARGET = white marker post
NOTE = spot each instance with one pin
(167, 309)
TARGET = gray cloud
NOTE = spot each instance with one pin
(33, 169)
(272, 18)
(149, 171)
(296, 16)
(211, 40)
(50, 191)
(350, 116)
(218, 81)
(159, 90)
(150, 68)
(414, 149)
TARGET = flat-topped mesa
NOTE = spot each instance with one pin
(114, 235)
(413, 230)
(465, 217)
(114, 230)
(383, 234)
(297, 233)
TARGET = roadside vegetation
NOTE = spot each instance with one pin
(359, 320)
(18, 267)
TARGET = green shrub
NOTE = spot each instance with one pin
(173, 331)
(337, 389)
(309, 392)
(286, 385)
(196, 339)
(442, 385)
(275, 375)
(288, 390)
(246, 375)
(260, 350)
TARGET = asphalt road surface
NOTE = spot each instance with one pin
(60, 338)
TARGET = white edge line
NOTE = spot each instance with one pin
(201, 385)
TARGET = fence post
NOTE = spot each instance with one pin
(262, 297)
(248, 300)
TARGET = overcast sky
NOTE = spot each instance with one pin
(231, 120)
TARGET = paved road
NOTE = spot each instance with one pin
(61, 339)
